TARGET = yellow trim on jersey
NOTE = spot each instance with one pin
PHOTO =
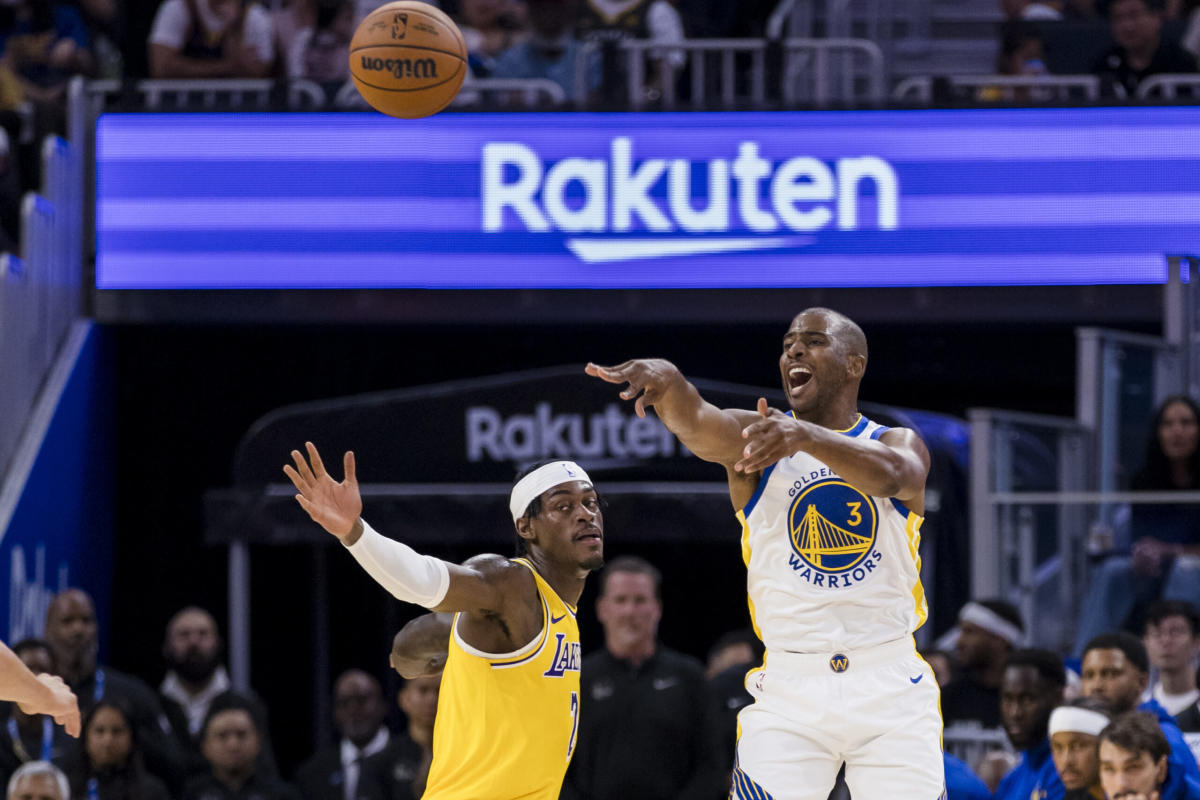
(912, 528)
(857, 420)
(741, 515)
(941, 719)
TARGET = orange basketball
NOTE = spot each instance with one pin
(408, 59)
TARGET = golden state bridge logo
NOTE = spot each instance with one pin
(833, 528)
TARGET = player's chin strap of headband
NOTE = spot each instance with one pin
(1077, 720)
(991, 622)
(544, 477)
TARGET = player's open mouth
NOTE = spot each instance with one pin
(589, 535)
(797, 378)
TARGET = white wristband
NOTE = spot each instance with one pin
(405, 573)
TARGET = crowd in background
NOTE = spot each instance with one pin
(658, 723)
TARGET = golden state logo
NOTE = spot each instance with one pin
(833, 528)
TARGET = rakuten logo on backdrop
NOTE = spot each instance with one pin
(804, 195)
(609, 435)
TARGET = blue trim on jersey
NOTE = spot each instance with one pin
(744, 787)
(858, 427)
(875, 434)
(903, 509)
(762, 484)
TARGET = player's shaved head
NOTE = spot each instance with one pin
(844, 329)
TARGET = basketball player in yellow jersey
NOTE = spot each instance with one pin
(508, 710)
(831, 505)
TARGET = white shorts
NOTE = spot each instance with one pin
(879, 714)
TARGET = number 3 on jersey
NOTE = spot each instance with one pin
(574, 724)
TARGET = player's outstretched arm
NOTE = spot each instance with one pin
(37, 694)
(711, 433)
(482, 584)
(895, 465)
(421, 646)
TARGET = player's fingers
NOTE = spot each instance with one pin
(348, 468)
(318, 466)
(763, 408)
(306, 504)
(640, 406)
(631, 391)
(302, 467)
(294, 477)
(610, 374)
(71, 723)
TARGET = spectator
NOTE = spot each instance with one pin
(71, 632)
(1022, 52)
(1032, 10)
(1191, 35)
(195, 678)
(1116, 670)
(321, 52)
(110, 765)
(1032, 688)
(358, 711)
(942, 665)
(1189, 725)
(230, 742)
(551, 52)
(31, 737)
(608, 22)
(489, 27)
(647, 720)
(729, 684)
(961, 782)
(739, 648)
(1074, 741)
(38, 780)
(1172, 639)
(988, 631)
(1165, 561)
(211, 39)
(1081, 10)
(1140, 51)
(1135, 762)
(47, 45)
(400, 769)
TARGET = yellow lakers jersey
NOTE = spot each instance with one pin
(506, 723)
(828, 566)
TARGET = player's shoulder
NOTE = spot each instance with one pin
(501, 570)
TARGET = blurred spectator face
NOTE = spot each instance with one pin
(358, 708)
(227, 11)
(550, 19)
(1025, 705)
(192, 648)
(109, 739)
(1134, 25)
(978, 648)
(730, 655)
(71, 630)
(1179, 430)
(1077, 759)
(38, 660)
(629, 611)
(419, 698)
(942, 670)
(1028, 58)
(1108, 675)
(482, 14)
(230, 742)
(1123, 772)
(36, 787)
(1171, 644)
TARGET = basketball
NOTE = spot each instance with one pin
(408, 59)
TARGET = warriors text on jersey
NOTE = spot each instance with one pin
(506, 723)
(829, 567)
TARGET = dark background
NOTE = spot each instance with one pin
(187, 393)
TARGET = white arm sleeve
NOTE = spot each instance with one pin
(405, 573)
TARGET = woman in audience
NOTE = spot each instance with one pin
(110, 766)
(1165, 559)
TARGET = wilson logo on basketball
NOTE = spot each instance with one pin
(399, 25)
(402, 67)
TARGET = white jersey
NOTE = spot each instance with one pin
(829, 568)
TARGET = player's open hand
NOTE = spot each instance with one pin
(60, 703)
(334, 506)
(774, 435)
(649, 379)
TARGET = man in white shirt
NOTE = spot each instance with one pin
(1172, 637)
(211, 39)
(358, 712)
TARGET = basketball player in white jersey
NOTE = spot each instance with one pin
(831, 505)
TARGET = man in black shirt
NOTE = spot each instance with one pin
(1140, 50)
(230, 742)
(648, 728)
(401, 769)
(988, 632)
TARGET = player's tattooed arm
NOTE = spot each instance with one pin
(712, 433)
(421, 646)
(500, 601)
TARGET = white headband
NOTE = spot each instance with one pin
(1077, 720)
(544, 477)
(991, 622)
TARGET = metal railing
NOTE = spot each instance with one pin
(1168, 86)
(529, 93)
(1003, 88)
(697, 53)
(823, 72)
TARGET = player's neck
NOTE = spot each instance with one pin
(839, 416)
(566, 580)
